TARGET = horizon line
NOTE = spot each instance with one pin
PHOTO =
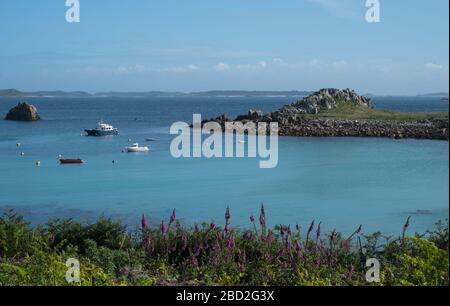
(94, 93)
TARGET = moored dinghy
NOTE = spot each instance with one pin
(134, 148)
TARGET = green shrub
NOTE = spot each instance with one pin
(417, 262)
(209, 255)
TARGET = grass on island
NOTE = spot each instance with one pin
(169, 254)
(350, 111)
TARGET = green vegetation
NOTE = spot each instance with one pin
(168, 254)
(347, 110)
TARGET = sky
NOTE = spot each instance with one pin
(197, 45)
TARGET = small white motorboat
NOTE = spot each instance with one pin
(136, 148)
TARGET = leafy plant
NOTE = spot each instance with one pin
(169, 254)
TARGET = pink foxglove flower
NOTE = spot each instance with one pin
(144, 222)
(231, 243)
(227, 214)
(173, 217)
(148, 240)
(262, 216)
(298, 246)
(319, 230)
(311, 227)
(163, 228)
(194, 262)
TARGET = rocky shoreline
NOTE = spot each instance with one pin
(303, 119)
(366, 128)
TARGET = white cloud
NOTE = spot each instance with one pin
(277, 60)
(340, 64)
(252, 67)
(122, 70)
(262, 64)
(192, 67)
(244, 66)
(222, 67)
(139, 68)
(434, 67)
(182, 69)
(314, 62)
(174, 69)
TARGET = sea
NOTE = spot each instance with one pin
(342, 182)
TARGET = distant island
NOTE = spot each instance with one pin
(332, 112)
(161, 94)
(18, 93)
(150, 94)
(435, 95)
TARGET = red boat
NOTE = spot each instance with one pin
(71, 161)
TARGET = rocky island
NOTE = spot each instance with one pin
(333, 113)
(23, 112)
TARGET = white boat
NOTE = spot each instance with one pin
(136, 148)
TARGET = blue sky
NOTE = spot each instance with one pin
(193, 45)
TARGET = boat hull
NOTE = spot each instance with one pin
(71, 161)
(137, 150)
(98, 133)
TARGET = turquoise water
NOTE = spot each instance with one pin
(342, 182)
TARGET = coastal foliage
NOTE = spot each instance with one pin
(170, 254)
(349, 111)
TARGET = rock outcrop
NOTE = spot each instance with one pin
(302, 118)
(23, 112)
(330, 98)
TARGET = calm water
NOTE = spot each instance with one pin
(340, 181)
